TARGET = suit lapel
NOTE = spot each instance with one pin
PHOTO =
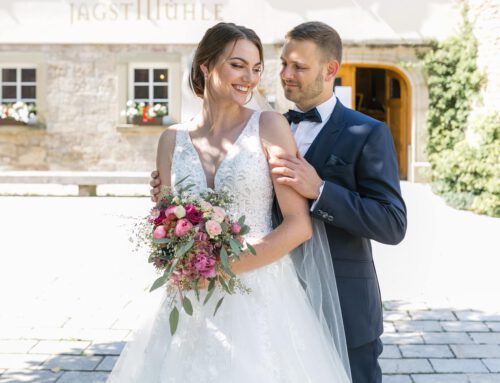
(321, 146)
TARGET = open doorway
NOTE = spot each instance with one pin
(382, 93)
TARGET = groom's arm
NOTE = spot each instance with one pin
(376, 209)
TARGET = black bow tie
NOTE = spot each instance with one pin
(295, 117)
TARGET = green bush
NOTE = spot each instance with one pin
(467, 176)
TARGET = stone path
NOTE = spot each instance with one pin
(421, 345)
(72, 290)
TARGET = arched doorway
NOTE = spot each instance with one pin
(382, 92)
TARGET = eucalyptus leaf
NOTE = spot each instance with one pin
(218, 305)
(241, 221)
(251, 249)
(235, 246)
(244, 230)
(161, 241)
(182, 180)
(211, 289)
(224, 285)
(188, 307)
(174, 320)
(158, 283)
(184, 248)
(224, 258)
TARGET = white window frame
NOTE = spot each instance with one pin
(19, 83)
(151, 66)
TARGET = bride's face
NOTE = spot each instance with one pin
(236, 72)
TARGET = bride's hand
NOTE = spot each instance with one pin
(155, 185)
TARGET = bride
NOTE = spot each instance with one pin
(279, 331)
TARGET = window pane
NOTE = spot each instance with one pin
(160, 91)
(141, 75)
(9, 75)
(9, 91)
(141, 92)
(28, 75)
(160, 75)
(28, 91)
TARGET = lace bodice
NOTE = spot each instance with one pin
(244, 172)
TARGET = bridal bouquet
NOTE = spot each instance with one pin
(194, 238)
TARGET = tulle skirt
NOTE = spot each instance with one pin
(270, 335)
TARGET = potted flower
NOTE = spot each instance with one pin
(143, 114)
(18, 113)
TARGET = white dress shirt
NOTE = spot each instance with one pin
(306, 131)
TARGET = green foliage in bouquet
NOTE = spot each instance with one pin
(193, 238)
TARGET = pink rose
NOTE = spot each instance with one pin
(201, 236)
(193, 214)
(218, 214)
(213, 228)
(160, 218)
(182, 228)
(159, 232)
(170, 214)
(205, 206)
(235, 228)
(205, 264)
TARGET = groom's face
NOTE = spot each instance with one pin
(302, 73)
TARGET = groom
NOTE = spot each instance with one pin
(347, 168)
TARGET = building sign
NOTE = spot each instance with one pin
(150, 10)
(185, 21)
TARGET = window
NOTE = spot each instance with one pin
(17, 83)
(150, 84)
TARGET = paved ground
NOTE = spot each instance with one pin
(71, 290)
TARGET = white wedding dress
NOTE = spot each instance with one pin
(268, 336)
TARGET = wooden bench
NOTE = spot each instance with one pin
(87, 181)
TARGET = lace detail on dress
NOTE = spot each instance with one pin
(244, 172)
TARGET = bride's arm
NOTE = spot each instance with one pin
(296, 227)
(166, 145)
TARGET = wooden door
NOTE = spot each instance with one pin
(396, 118)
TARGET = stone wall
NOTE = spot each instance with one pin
(485, 16)
(79, 106)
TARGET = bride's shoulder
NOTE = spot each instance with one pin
(167, 139)
(275, 131)
(272, 122)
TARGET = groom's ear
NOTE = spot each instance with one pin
(332, 68)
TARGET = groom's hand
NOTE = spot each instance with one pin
(155, 184)
(297, 173)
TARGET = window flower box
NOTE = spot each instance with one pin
(142, 114)
(17, 114)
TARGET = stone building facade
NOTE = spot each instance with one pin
(84, 76)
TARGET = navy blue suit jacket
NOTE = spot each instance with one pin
(361, 200)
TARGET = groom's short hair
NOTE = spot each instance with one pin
(325, 37)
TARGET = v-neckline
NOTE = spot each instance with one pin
(219, 165)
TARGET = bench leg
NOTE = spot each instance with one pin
(87, 190)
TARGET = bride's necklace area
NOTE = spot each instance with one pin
(212, 157)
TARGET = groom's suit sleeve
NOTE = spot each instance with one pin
(375, 210)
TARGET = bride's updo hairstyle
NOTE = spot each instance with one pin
(211, 47)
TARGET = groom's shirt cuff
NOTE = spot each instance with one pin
(313, 206)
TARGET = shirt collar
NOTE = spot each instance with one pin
(325, 109)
